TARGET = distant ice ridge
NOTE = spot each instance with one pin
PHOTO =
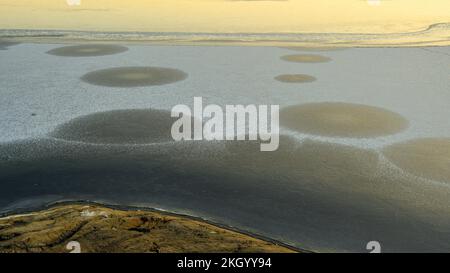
(436, 34)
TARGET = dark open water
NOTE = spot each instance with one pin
(233, 184)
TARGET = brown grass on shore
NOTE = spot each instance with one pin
(101, 229)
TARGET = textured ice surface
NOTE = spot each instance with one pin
(309, 193)
(39, 91)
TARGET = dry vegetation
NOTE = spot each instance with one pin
(100, 229)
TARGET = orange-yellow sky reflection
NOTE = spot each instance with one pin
(225, 15)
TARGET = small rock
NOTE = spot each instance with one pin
(87, 213)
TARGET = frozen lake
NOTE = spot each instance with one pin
(322, 190)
